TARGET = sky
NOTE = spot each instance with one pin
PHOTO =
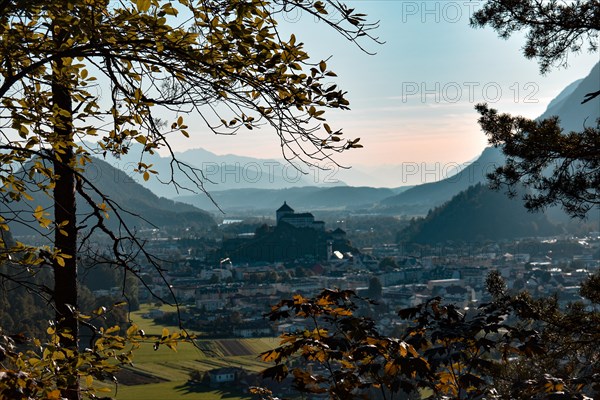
(413, 101)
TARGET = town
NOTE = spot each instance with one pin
(223, 296)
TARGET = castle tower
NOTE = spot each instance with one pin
(283, 211)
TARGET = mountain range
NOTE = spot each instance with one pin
(478, 213)
(134, 200)
(309, 197)
(573, 116)
(422, 198)
(198, 170)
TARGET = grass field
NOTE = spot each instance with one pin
(148, 324)
(164, 374)
(173, 391)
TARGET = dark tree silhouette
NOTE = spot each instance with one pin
(563, 167)
(554, 28)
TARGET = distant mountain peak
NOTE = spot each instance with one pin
(567, 105)
(573, 117)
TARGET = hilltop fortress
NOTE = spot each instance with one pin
(294, 236)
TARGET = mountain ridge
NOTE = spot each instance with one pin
(212, 172)
(567, 105)
(132, 198)
(478, 214)
(574, 115)
(310, 197)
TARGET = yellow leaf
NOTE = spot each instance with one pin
(141, 138)
(89, 380)
(342, 312)
(132, 330)
(53, 395)
(172, 346)
(165, 332)
(112, 329)
(170, 10)
(391, 368)
(324, 301)
(322, 66)
(143, 5)
(320, 356)
(269, 356)
(38, 213)
(33, 361)
(403, 350)
(99, 310)
(146, 175)
(298, 299)
(288, 339)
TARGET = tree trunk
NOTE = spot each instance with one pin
(65, 236)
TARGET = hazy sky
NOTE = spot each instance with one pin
(413, 101)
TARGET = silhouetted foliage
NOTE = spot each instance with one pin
(554, 28)
(514, 347)
(562, 168)
(348, 355)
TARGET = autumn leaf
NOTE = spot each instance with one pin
(143, 5)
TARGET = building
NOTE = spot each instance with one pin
(286, 214)
(296, 237)
(223, 375)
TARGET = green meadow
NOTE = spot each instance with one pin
(164, 374)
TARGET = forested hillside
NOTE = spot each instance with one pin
(138, 206)
(477, 214)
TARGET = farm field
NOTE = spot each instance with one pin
(174, 391)
(164, 374)
(147, 324)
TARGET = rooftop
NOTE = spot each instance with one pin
(285, 207)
